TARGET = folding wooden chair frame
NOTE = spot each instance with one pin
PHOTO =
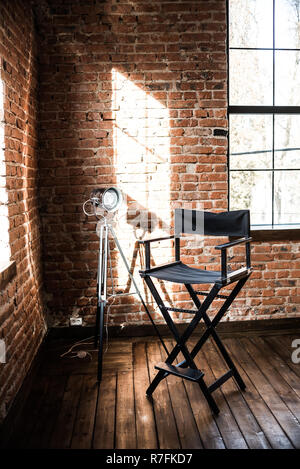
(187, 369)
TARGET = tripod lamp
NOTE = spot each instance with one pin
(104, 204)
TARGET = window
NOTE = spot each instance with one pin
(264, 110)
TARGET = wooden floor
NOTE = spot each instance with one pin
(67, 409)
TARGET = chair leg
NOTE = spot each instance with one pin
(180, 345)
(211, 329)
(228, 360)
(182, 339)
(208, 396)
(160, 376)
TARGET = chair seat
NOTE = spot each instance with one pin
(182, 273)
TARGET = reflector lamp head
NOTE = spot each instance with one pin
(112, 199)
(109, 199)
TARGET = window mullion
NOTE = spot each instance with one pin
(273, 119)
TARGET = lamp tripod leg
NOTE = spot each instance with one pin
(100, 310)
(97, 326)
(101, 297)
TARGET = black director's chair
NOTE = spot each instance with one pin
(234, 223)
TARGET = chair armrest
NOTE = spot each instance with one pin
(233, 243)
(223, 248)
(145, 241)
(146, 244)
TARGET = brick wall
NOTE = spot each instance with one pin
(22, 323)
(134, 94)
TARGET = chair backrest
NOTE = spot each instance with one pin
(233, 223)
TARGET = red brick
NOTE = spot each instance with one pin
(22, 322)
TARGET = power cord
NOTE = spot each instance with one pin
(79, 353)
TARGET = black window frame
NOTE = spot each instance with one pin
(268, 232)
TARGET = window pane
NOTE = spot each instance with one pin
(287, 82)
(250, 141)
(251, 77)
(252, 190)
(251, 23)
(287, 24)
(286, 197)
(287, 141)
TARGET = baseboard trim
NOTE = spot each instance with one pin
(231, 328)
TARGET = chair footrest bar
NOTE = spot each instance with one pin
(204, 293)
(182, 364)
(185, 373)
(180, 310)
(220, 381)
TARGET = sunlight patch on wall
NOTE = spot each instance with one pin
(141, 160)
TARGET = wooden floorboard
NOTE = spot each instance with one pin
(144, 412)
(275, 360)
(48, 412)
(283, 347)
(207, 427)
(246, 421)
(164, 416)
(277, 406)
(63, 428)
(104, 430)
(84, 424)
(276, 380)
(67, 408)
(125, 412)
(227, 426)
(186, 425)
(268, 423)
(24, 435)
